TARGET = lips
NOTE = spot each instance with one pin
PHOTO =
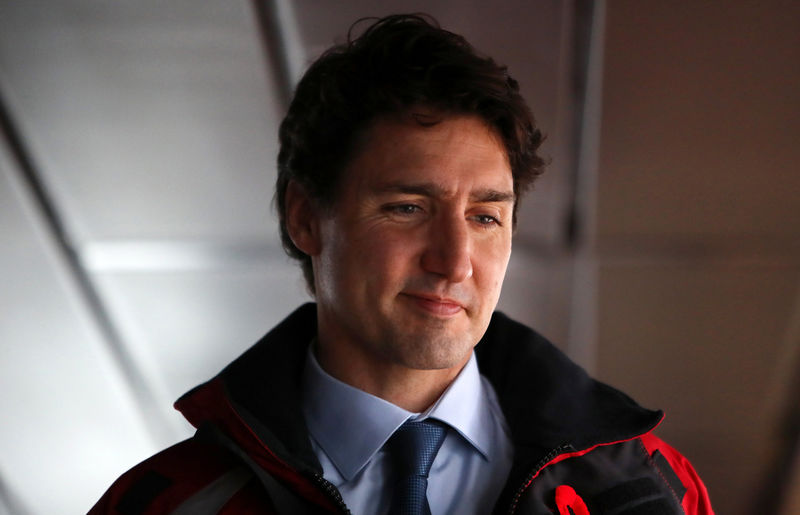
(438, 306)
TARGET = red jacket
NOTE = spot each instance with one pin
(580, 446)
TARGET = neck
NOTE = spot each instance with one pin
(412, 389)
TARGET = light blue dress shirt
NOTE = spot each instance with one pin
(348, 428)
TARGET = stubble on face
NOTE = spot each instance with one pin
(415, 250)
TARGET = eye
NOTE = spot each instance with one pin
(403, 209)
(486, 220)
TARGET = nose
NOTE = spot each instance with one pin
(448, 252)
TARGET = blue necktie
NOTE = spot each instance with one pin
(412, 449)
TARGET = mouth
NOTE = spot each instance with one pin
(434, 305)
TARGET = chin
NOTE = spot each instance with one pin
(435, 353)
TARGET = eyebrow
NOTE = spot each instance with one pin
(434, 190)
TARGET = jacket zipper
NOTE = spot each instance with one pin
(535, 471)
(332, 492)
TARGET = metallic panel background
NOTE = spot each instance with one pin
(661, 249)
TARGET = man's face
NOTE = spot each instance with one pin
(413, 252)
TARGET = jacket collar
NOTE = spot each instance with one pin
(548, 401)
(262, 394)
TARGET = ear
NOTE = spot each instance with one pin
(302, 219)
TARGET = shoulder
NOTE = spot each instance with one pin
(695, 498)
(642, 474)
(166, 480)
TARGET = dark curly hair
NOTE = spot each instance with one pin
(398, 62)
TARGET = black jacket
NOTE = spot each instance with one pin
(578, 443)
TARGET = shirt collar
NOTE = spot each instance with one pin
(465, 407)
(351, 425)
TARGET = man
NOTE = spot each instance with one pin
(403, 157)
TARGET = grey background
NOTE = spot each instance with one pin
(152, 128)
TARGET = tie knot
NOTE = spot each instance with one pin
(414, 445)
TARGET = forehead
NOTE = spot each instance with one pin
(452, 151)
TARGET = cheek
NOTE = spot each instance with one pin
(339, 262)
(378, 261)
(389, 254)
(493, 261)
